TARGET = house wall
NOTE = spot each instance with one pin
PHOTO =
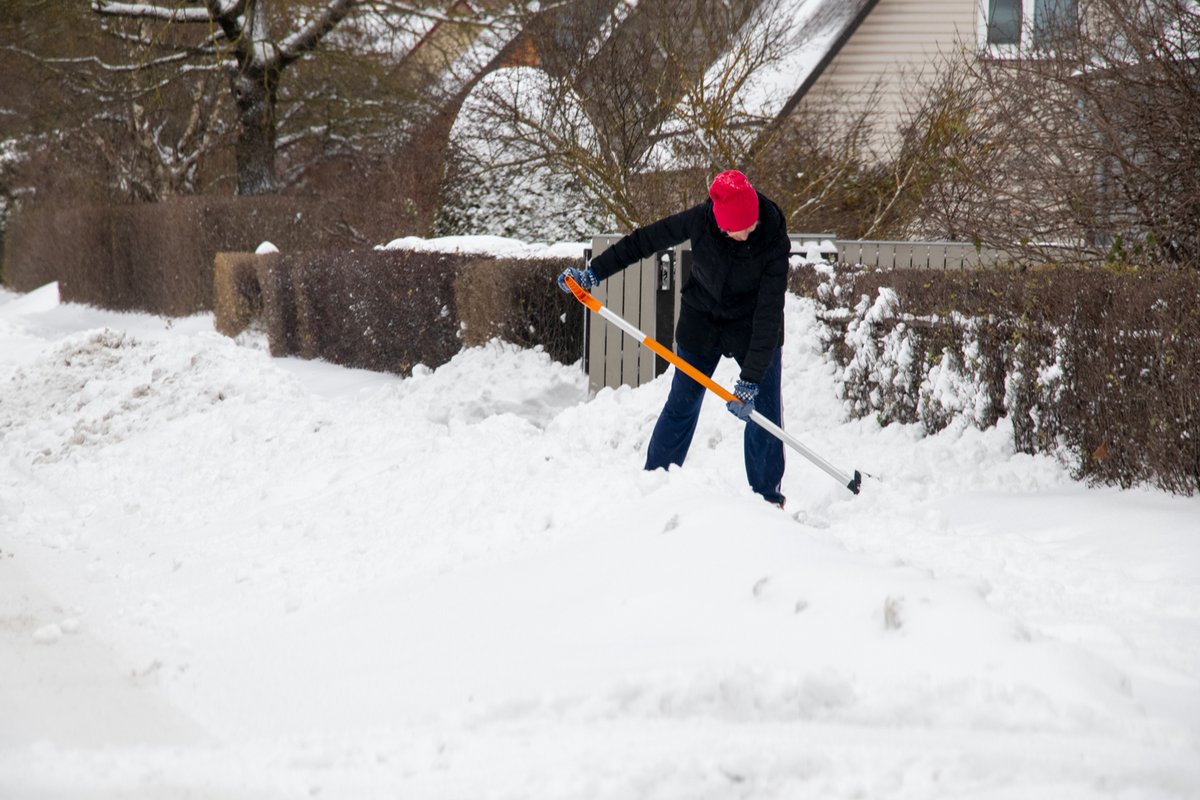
(898, 43)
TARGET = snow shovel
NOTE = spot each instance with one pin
(581, 294)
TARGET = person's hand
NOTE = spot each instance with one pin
(584, 277)
(743, 406)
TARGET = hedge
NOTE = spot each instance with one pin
(391, 310)
(158, 257)
(517, 300)
(1101, 368)
(237, 290)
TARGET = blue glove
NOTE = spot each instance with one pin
(745, 392)
(584, 277)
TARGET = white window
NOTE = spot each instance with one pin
(1011, 28)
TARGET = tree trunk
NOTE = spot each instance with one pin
(255, 92)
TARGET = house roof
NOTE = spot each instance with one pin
(819, 28)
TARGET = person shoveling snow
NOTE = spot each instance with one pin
(731, 305)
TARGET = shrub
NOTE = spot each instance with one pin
(1099, 367)
(517, 300)
(237, 290)
(374, 309)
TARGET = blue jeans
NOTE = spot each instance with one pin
(677, 424)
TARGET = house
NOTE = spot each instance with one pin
(833, 57)
(847, 49)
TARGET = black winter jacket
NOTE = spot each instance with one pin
(734, 298)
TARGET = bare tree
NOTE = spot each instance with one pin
(1086, 148)
(726, 111)
(630, 95)
(1083, 148)
(39, 107)
(834, 169)
(823, 175)
(253, 44)
(154, 148)
(240, 31)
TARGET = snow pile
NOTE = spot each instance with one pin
(99, 388)
(275, 578)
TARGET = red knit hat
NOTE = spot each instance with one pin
(735, 203)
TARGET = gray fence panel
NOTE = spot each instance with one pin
(923, 253)
(604, 365)
(648, 314)
(631, 309)
(614, 358)
(916, 255)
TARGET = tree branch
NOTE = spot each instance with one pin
(96, 61)
(304, 40)
(151, 11)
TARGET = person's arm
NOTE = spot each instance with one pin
(643, 243)
(768, 318)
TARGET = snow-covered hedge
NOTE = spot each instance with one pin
(1100, 368)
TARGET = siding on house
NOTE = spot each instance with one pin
(897, 44)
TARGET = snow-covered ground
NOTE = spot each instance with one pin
(229, 576)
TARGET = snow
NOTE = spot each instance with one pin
(774, 54)
(499, 246)
(224, 575)
(812, 26)
(511, 134)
